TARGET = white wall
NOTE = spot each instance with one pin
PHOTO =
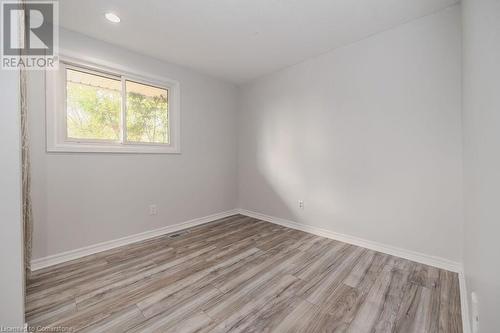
(481, 111)
(11, 251)
(82, 199)
(368, 135)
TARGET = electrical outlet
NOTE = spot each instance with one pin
(153, 210)
(475, 312)
(301, 204)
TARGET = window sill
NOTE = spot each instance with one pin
(113, 148)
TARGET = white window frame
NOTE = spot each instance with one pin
(55, 109)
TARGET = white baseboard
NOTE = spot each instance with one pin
(442, 263)
(379, 247)
(384, 248)
(55, 259)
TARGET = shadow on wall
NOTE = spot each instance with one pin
(271, 174)
(275, 169)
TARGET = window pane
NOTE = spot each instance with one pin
(147, 113)
(93, 106)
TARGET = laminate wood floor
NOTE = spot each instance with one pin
(240, 274)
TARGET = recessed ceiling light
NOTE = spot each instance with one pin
(112, 17)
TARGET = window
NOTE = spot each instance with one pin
(93, 106)
(96, 109)
(147, 113)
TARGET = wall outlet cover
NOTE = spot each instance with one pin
(153, 210)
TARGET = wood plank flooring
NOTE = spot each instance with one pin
(240, 274)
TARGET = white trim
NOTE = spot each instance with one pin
(55, 259)
(123, 113)
(464, 300)
(384, 248)
(40, 263)
(55, 107)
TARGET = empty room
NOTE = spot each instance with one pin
(250, 166)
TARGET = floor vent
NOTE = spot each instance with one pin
(178, 234)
